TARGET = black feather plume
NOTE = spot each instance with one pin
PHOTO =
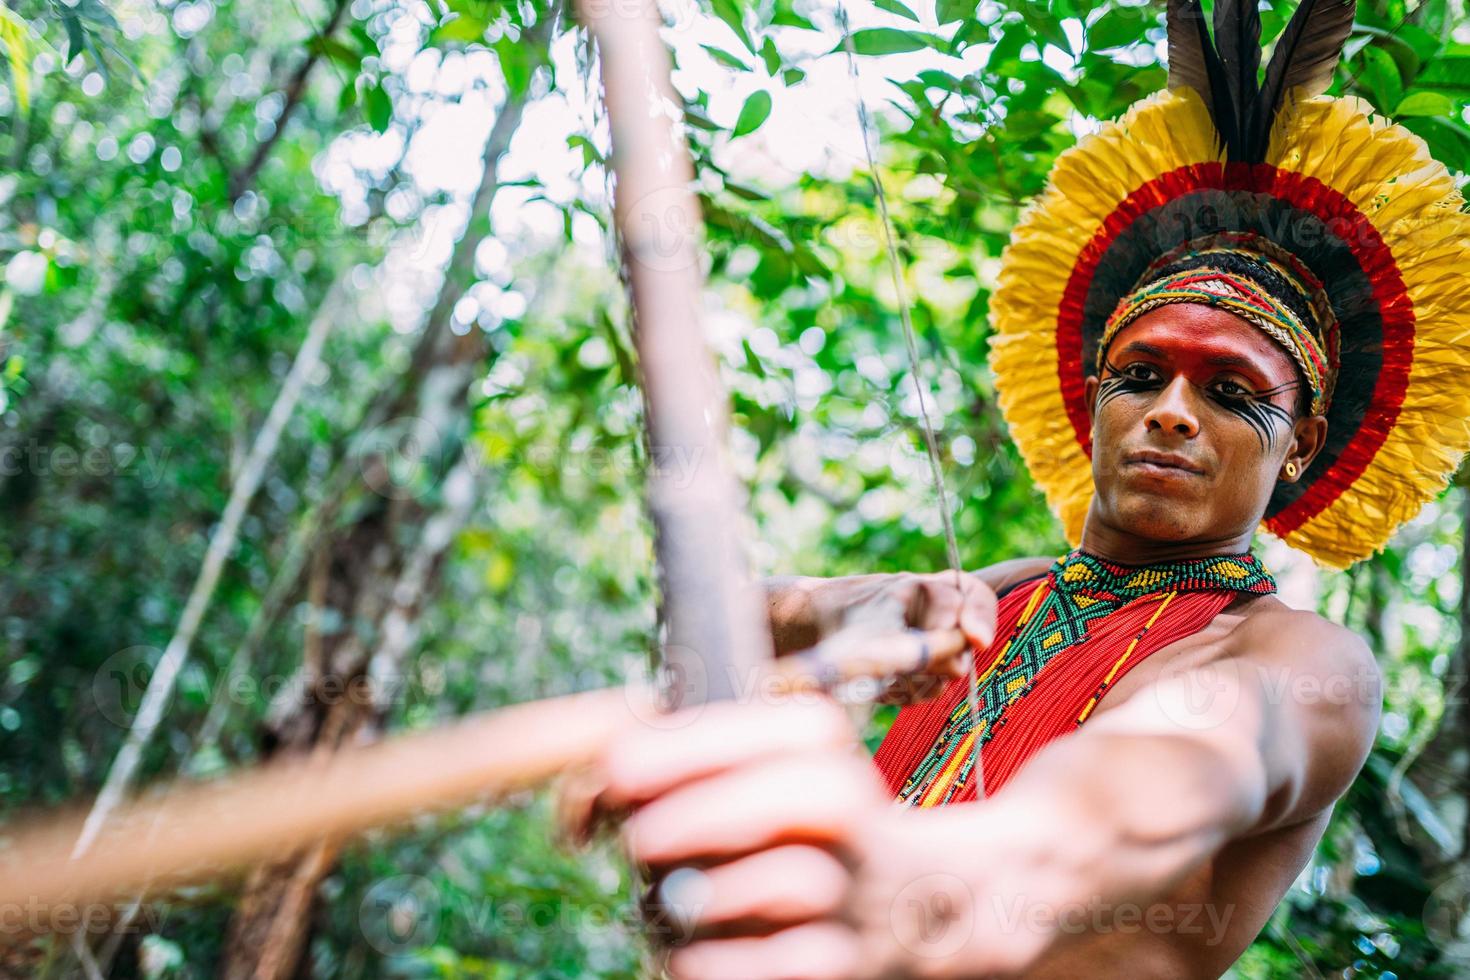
(1306, 55)
(1238, 39)
(1194, 63)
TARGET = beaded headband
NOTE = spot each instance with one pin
(1248, 297)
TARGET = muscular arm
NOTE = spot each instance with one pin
(1264, 732)
(807, 861)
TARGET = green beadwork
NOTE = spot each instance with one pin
(1080, 589)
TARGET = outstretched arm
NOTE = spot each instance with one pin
(1267, 730)
(809, 871)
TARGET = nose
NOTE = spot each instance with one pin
(1173, 410)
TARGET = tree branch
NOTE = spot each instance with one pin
(221, 544)
(295, 91)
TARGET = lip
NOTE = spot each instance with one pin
(1170, 464)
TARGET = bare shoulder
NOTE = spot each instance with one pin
(1323, 690)
(1272, 633)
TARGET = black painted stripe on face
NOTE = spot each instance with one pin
(1269, 421)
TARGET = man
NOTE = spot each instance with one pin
(1186, 349)
(1212, 775)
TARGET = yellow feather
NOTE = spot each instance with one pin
(1411, 200)
(1384, 170)
(1159, 134)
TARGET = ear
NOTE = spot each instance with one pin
(1309, 435)
(1089, 395)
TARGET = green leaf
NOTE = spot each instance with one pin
(745, 192)
(377, 107)
(1045, 27)
(792, 75)
(1425, 104)
(459, 29)
(1450, 72)
(695, 116)
(1119, 26)
(771, 56)
(896, 7)
(732, 12)
(809, 263)
(757, 107)
(970, 32)
(951, 10)
(1381, 77)
(343, 54)
(590, 153)
(725, 58)
(515, 64)
(16, 36)
(752, 363)
(1419, 46)
(786, 17)
(1393, 44)
(76, 38)
(943, 80)
(96, 12)
(1013, 38)
(885, 40)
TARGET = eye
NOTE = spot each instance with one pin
(1138, 371)
(1232, 389)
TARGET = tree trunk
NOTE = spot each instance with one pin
(377, 571)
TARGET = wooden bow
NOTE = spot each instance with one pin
(716, 627)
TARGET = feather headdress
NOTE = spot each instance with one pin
(1356, 201)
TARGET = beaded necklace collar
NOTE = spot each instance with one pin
(1071, 611)
(1083, 574)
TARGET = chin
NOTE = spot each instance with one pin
(1158, 518)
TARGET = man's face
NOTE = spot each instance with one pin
(1193, 418)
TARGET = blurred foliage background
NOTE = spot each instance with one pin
(390, 222)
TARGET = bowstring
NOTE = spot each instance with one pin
(931, 443)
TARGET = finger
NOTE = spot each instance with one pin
(939, 602)
(977, 614)
(855, 653)
(816, 951)
(577, 810)
(648, 762)
(780, 887)
(814, 799)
